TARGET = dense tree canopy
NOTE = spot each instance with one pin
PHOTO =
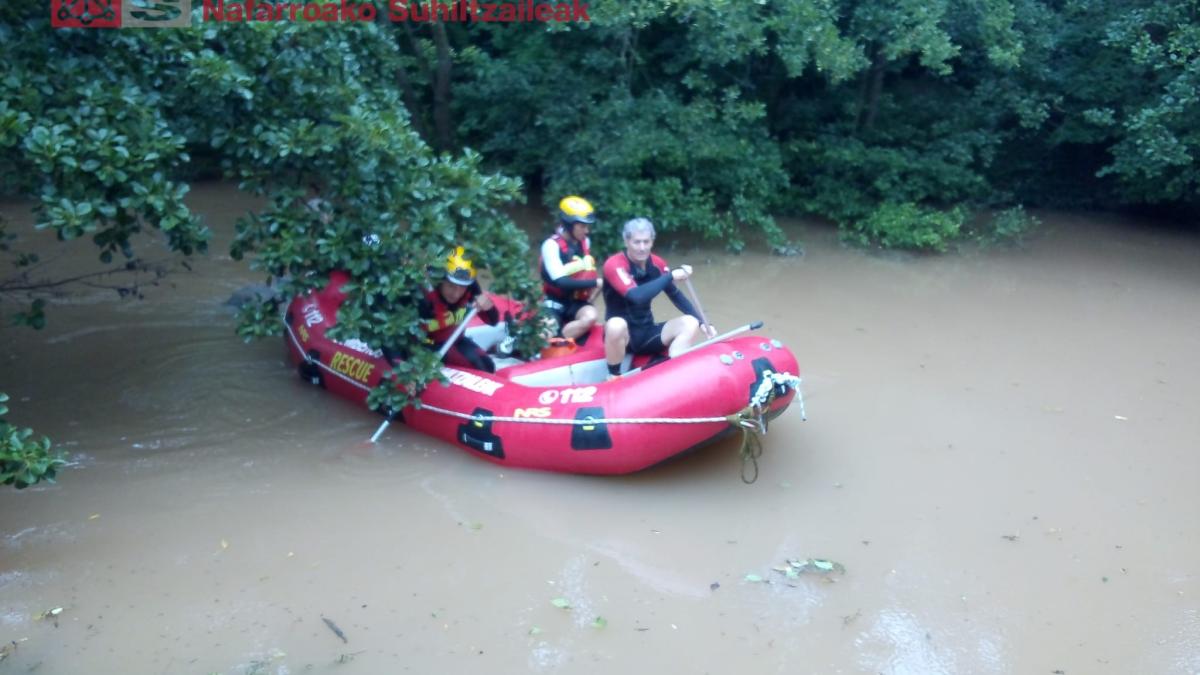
(897, 120)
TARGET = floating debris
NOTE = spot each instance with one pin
(50, 614)
(600, 622)
(334, 627)
(9, 649)
(794, 568)
(561, 603)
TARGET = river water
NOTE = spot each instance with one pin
(1001, 452)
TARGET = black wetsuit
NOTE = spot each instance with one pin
(628, 292)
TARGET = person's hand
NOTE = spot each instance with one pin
(599, 283)
(682, 273)
(589, 263)
(484, 302)
(710, 330)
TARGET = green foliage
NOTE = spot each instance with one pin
(25, 460)
(351, 186)
(1009, 226)
(1157, 128)
(85, 130)
(706, 167)
(376, 148)
(306, 116)
(625, 112)
(907, 226)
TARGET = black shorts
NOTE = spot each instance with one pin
(646, 339)
(565, 312)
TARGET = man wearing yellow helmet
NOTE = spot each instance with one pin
(569, 277)
(444, 307)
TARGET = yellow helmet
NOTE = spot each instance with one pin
(574, 209)
(459, 269)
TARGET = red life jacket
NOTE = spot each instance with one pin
(565, 255)
(445, 317)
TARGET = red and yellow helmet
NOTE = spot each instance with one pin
(459, 269)
(575, 209)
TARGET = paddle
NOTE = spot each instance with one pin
(696, 300)
(724, 336)
(462, 327)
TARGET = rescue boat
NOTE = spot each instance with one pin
(562, 412)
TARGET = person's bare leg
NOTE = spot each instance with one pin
(616, 338)
(681, 333)
(585, 318)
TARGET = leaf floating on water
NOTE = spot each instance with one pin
(561, 603)
(814, 565)
(753, 578)
(94, 516)
(224, 544)
(1121, 418)
(476, 526)
(535, 631)
(48, 614)
(334, 627)
(600, 622)
(714, 586)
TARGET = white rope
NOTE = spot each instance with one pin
(586, 421)
(308, 359)
(771, 380)
(762, 395)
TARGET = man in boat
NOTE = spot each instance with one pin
(569, 278)
(632, 278)
(444, 307)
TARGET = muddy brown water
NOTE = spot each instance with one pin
(1001, 450)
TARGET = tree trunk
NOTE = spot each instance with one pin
(441, 89)
(871, 91)
(410, 102)
(415, 113)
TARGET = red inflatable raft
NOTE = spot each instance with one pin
(558, 413)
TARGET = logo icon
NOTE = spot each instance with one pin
(121, 13)
(156, 13)
(85, 13)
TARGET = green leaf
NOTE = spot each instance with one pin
(561, 603)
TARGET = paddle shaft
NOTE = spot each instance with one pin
(462, 327)
(724, 336)
(696, 300)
